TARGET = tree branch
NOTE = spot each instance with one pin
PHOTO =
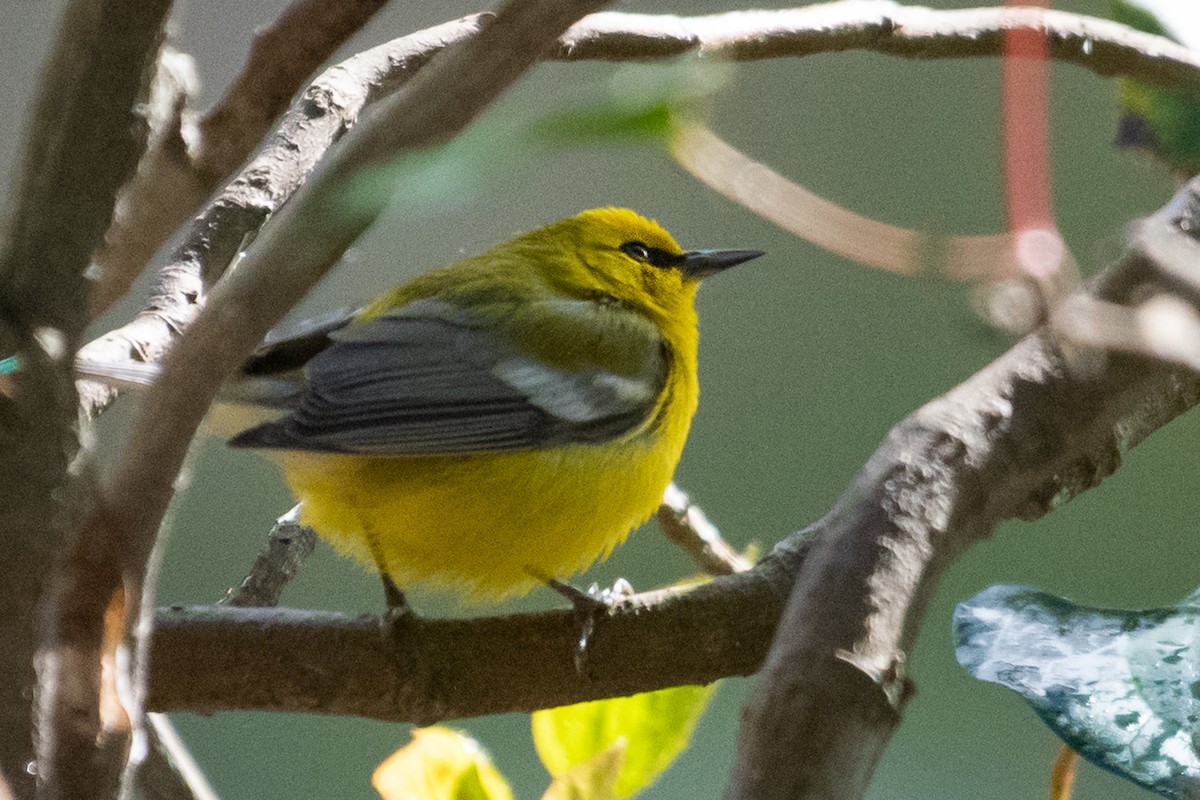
(84, 139)
(318, 118)
(1015, 441)
(179, 172)
(283, 55)
(1104, 47)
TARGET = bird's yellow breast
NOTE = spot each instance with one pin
(490, 526)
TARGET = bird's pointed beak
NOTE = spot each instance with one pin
(699, 264)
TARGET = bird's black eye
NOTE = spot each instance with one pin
(636, 250)
(640, 251)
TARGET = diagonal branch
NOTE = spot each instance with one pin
(179, 172)
(1015, 441)
(282, 56)
(318, 118)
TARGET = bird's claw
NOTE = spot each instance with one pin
(588, 607)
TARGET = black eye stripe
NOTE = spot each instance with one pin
(640, 251)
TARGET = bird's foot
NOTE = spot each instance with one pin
(590, 606)
(398, 610)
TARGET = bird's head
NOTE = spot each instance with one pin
(619, 254)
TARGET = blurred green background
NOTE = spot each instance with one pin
(806, 361)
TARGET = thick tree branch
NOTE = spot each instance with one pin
(1018, 438)
(84, 139)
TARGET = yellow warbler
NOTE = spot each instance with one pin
(498, 422)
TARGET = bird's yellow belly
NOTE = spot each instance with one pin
(485, 526)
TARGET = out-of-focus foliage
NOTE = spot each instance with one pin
(1163, 122)
(653, 728)
(1120, 687)
(440, 764)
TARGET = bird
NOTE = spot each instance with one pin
(496, 424)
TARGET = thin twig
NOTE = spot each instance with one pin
(685, 524)
(1062, 777)
(288, 545)
(169, 772)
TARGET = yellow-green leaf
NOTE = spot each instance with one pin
(655, 726)
(439, 764)
(594, 779)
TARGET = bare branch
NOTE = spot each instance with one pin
(277, 659)
(151, 206)
(287, 546)
(686, 524)
(83, 142)
(305, 36)
(180, 171)
(320, 116)
(1104, 47)
(1016, 440)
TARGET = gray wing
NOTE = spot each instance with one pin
(429, 380)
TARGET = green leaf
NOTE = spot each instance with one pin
(1163, 122)
(655, 728)
(606, 122)
(641, 105)
(439, 764)
(1120, 687)
(594, 779)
